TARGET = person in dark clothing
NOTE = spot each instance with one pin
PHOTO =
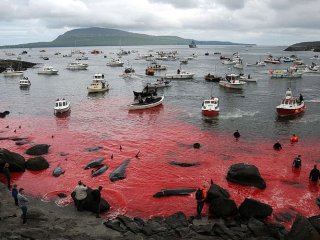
(314, 174)
(6, 172)
(96, 196)
(301, 98)
(297, 162)
(277, 146)
(236, 134)
(14, 193)
(200, 197)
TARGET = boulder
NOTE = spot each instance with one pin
(315, 221)
(176, 220)
(222, 208)
(37, 164)
(216, 191)
(253, 208)
(246, 174)
(90, 205)
(16, 161)
(302, 229)
(4, 114)
(38, 149)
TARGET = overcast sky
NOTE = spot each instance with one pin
(264, 22)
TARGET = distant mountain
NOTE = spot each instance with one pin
(111, 37)
(305, 46)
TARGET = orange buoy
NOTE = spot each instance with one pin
(294, 138)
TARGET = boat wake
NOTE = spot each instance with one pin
(312, 101)
(238, 114)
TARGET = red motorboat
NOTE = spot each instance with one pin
(290, 105)
(210, 107)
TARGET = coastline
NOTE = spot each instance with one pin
(45, 220)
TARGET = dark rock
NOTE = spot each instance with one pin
(315, 221)
(16, 161)
(177, 220)
(245, 174)
(258, 228)
(153, 226)
(302, 229)
(37, 164)
(196, 145)
(224, 232)
(90, 205)
(184, 164)
(15, 64)
(253, 208)
(216, 191)
(130, 224)
(222, 207)
(115, 224)
(38, 149)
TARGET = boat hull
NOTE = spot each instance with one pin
(96, 90)
(61, 110)
(231, 85)
(286, 112)
(13, 74)
(48, 73)
(139, 106)
(210, 113)
(179, 76)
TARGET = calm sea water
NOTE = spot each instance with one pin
(165, 133)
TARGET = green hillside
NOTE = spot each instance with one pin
(111, 37)
(305, 46)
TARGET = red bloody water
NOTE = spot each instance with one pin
(161, 138)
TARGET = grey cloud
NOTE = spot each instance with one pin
(232, 4)
(178, 3)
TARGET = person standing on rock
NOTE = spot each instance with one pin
(200, 197)
(96, 196)
(81, 195)
(6, 172)
(14, 193)
(22, 201)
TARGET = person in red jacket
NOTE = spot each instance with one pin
(201, 195)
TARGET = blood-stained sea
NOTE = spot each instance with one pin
(163, 134)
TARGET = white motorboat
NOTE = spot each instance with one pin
(290, 105)
(115, 63)
(232, 81)
(24, 82)
(10, 72)
(160, 83)
(312, 69)
(98, 84)
(210, 107)
(149, 102)
(179, 75)
(61, 106)
(77, 66)
(48, 70)
(157, 66)
(128, 72)
(247, 78)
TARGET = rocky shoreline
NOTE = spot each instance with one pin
(48, 221)
(15, 64)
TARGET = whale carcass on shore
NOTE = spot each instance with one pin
(174, 192)
(120, 172)
(95, 162)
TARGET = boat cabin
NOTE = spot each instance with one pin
(213, 101)
(98, 76)
(232, 78)
(61, 102)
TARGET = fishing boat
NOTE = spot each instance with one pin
(77, 66)
(48, 70)
(149, 102)
(179, 75)
(10, 72)
(115, 63)
(192, 44)
(160, 83)
(210, 107)
(128, 72)
(24, 82)
(98, 84)
(247, 78)
(61, 106)
(232, 81)
(290, 105)
(150, 71)
(278, 73)
(212, 78)
(157, 66)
